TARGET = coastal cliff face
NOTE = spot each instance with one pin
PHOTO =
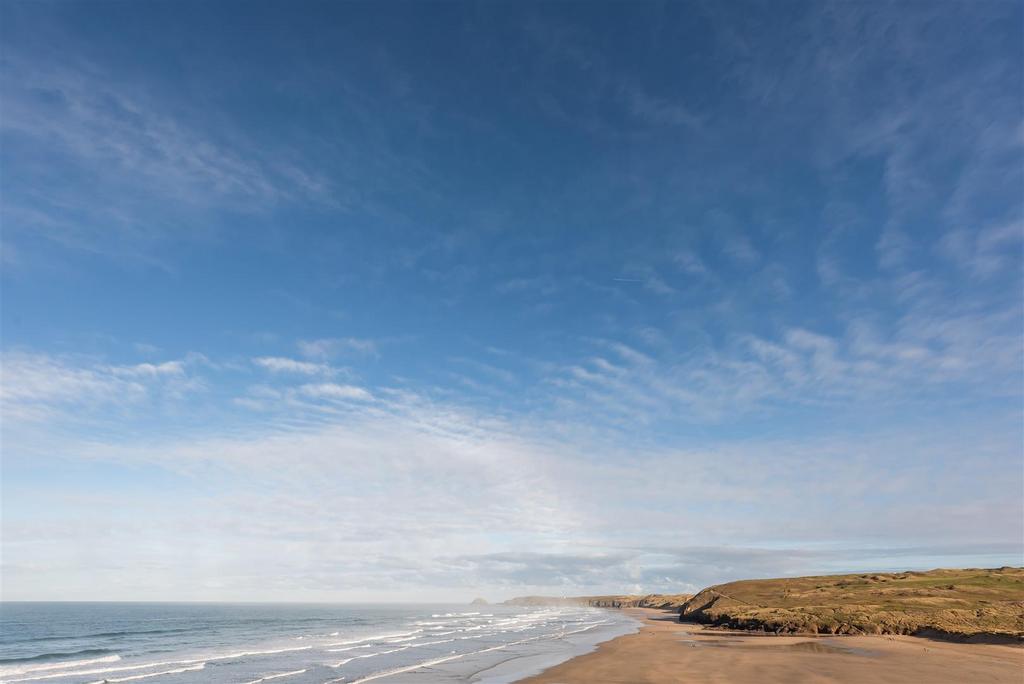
(974, 605)
(963, 605)
(663, 601)
(543, 601)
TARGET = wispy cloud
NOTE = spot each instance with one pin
(427, 475)
(690, 263)
(280, 364)
(136, 151)
(543, 285)
(38, 386)
(326, 348)
(741, 249)
(657, 110)
(864, 365)
(569, 47)
(986, 252)
(330, 390)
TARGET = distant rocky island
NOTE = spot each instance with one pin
(976, 605)
(478, 602)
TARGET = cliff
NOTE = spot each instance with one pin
(972, 604)
(664, 601)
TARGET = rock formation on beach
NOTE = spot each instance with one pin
(971, 605)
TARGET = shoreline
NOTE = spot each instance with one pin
(664, 650)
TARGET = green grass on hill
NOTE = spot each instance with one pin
(970, 603)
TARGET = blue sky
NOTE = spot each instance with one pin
(355, 301)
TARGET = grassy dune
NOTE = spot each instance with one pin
(972, 604)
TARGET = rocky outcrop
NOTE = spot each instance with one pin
(478, 602)
(663, 601)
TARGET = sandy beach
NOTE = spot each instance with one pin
(665, 651)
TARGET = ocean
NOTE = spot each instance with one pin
(173, 643)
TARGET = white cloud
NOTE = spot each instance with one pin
(894, 248)
(329, 390)
(936, 353)
(41, 379)
(155, 167)
(280, 364)
(690, 263)
(117, 127)
(326, 348)
(150, 370)
(658, 110)
(740, 248)
(413, 496)
(544, 285)
(656, 284)
(987, 252)
(38, 386)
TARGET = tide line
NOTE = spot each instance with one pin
(63, 665)
(200, 666)
(146, 666)
(279, 675)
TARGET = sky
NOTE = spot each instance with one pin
(427, 301)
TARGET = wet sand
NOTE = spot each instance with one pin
(667, 652)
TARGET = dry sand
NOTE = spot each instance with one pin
(665, 651)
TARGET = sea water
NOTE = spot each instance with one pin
(173, 643)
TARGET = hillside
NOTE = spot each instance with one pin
(664, 601)
(972, 604)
